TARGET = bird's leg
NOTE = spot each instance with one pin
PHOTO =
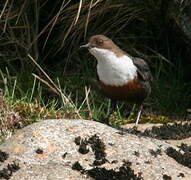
(110, 111)
(138, 115)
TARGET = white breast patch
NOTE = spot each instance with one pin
(113, 70)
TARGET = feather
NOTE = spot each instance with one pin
(142, 69)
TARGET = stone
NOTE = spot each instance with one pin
(82, 149)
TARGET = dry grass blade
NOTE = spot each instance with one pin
(39, 34)
(66, 100)
(45, 82)
(3, 10)
(86, 100)
(66, 35)
(78, 13)
(160, 56)
(87, 92)
(54, 22)
(55, 88)
(8, 14)
(21, 11)
(98, 1)
(88, 16)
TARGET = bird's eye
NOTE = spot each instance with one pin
(100, 42)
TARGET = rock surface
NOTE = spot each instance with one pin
(81, 149)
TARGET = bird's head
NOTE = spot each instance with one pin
(100, 46)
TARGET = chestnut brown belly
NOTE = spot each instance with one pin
(134, 91)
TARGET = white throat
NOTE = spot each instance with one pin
(113, 70)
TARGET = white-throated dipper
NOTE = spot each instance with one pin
(121, 76)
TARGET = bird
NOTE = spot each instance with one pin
(121, 76)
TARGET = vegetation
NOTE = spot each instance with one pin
(43, 74)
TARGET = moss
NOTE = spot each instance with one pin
(185, 147)
(64, 155)
(7, 172)
(77, 140)
(132, 130)
(136, 153)
(169, 131)
(148, 162)
(174, 131)
(166, 177)
(97, 146)
(3, 156)
(156, 119)
(181, 175)
(77, 166)
(98, 173)
(83, 149)
(31, 112)
(39, 151)
(82, 143)
(4, 173)
(155, 153)
(125, 172)
(184, 159)
(13, 167)
(114, 162)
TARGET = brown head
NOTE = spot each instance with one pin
(97, 42)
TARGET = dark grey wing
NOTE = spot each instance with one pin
(142, 69)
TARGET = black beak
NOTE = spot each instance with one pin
(85, 46)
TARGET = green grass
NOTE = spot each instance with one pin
(52, 32)
(28, 96)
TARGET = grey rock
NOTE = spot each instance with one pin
(47, 150)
